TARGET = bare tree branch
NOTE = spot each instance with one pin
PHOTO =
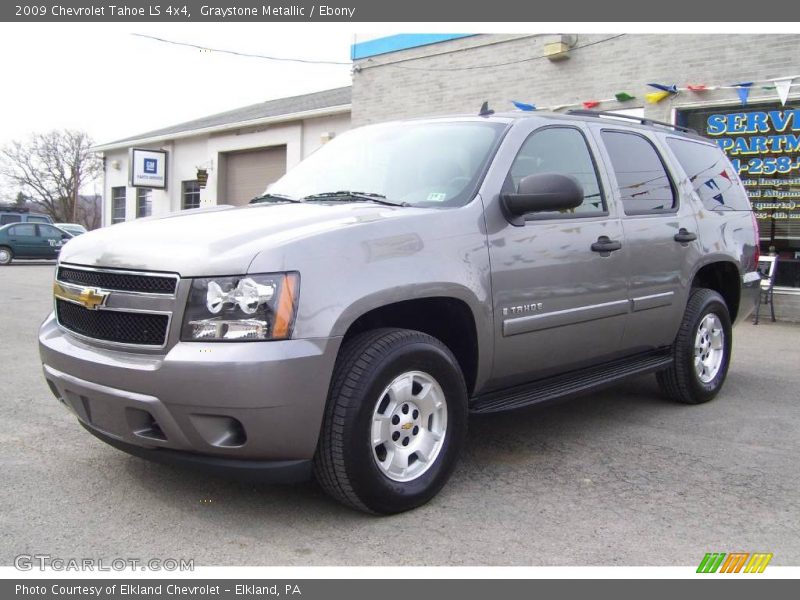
(51, 168)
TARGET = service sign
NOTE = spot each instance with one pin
(148, 168)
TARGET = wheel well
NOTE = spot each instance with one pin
(447, 319)
(722, 277)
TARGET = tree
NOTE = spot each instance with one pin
(51, 168)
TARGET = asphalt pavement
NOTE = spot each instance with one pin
(620, 477)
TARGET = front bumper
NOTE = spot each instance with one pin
(199, 402)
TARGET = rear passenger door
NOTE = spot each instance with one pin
(23, 240)
(660, 233)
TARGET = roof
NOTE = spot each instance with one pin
(279, 109)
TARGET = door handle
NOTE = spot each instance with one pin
(605, 245)
(684, 236)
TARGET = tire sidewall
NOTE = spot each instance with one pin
(373, 487)
(10, 256)
(705, 391)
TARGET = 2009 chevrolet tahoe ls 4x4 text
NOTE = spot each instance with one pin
(401, 277)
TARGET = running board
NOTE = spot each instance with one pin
(568, 384)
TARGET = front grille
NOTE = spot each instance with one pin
(119, 280)
(113, 326)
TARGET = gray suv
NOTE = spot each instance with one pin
(405, 275)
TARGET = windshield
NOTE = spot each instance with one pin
(419, 164)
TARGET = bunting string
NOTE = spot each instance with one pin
(782, 87)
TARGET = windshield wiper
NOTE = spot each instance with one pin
(348, 196)
(273, 198)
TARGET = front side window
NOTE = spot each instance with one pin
(144, 202)
(428, 163)
(643, 182)
(191, 194)
(561, 150)
(6, 219)
(49, 231)
(38, 220)
(118, 204)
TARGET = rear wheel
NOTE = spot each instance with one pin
(6, 255)
(701, 351)
(395, 421)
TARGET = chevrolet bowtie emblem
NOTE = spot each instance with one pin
(90, 298)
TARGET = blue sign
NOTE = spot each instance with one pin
(150, 165)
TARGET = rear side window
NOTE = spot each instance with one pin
(710, 174)
(23, 230)
(561, 150)
(6, 219)
(644, 185)
(38, 220)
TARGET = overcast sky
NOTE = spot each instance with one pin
(101, 79)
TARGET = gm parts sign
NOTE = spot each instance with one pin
(148, 168)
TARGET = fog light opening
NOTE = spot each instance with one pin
(144, 425)
(220, 431)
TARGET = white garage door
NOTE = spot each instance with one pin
(248, 173)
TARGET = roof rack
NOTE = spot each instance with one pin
(642, 120)
(14, 208)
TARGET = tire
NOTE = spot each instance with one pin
(6, 255)
(378, 375)
(688, 381)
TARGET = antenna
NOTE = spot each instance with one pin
(485, 110)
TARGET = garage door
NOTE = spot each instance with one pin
(248, 173)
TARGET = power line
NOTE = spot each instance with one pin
(244, 54)
(474, 67)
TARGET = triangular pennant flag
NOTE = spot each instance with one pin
(743, 90)
(672, 89)
(654, 97)
(591, 103)
(782, 86)
(523, 105)
(697, 88)
(725, 175)
(623, 96)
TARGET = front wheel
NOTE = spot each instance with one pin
(395, 422)
(701, 352)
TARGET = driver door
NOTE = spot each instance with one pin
(560, 301)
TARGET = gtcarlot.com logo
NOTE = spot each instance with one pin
(42, 562)
(734, 562)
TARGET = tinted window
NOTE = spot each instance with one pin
(561, 150)
(710, 174)
(644, 185)
(6, 219)
(23, 230)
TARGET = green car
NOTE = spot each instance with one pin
(31, 240)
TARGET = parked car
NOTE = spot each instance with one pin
(11, 213)
(31, 240)
(72, 228)
(402, 277)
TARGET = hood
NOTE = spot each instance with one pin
(217, 241)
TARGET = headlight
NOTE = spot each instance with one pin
(244, 308)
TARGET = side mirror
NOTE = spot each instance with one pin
(542, 192)
(66, 236)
